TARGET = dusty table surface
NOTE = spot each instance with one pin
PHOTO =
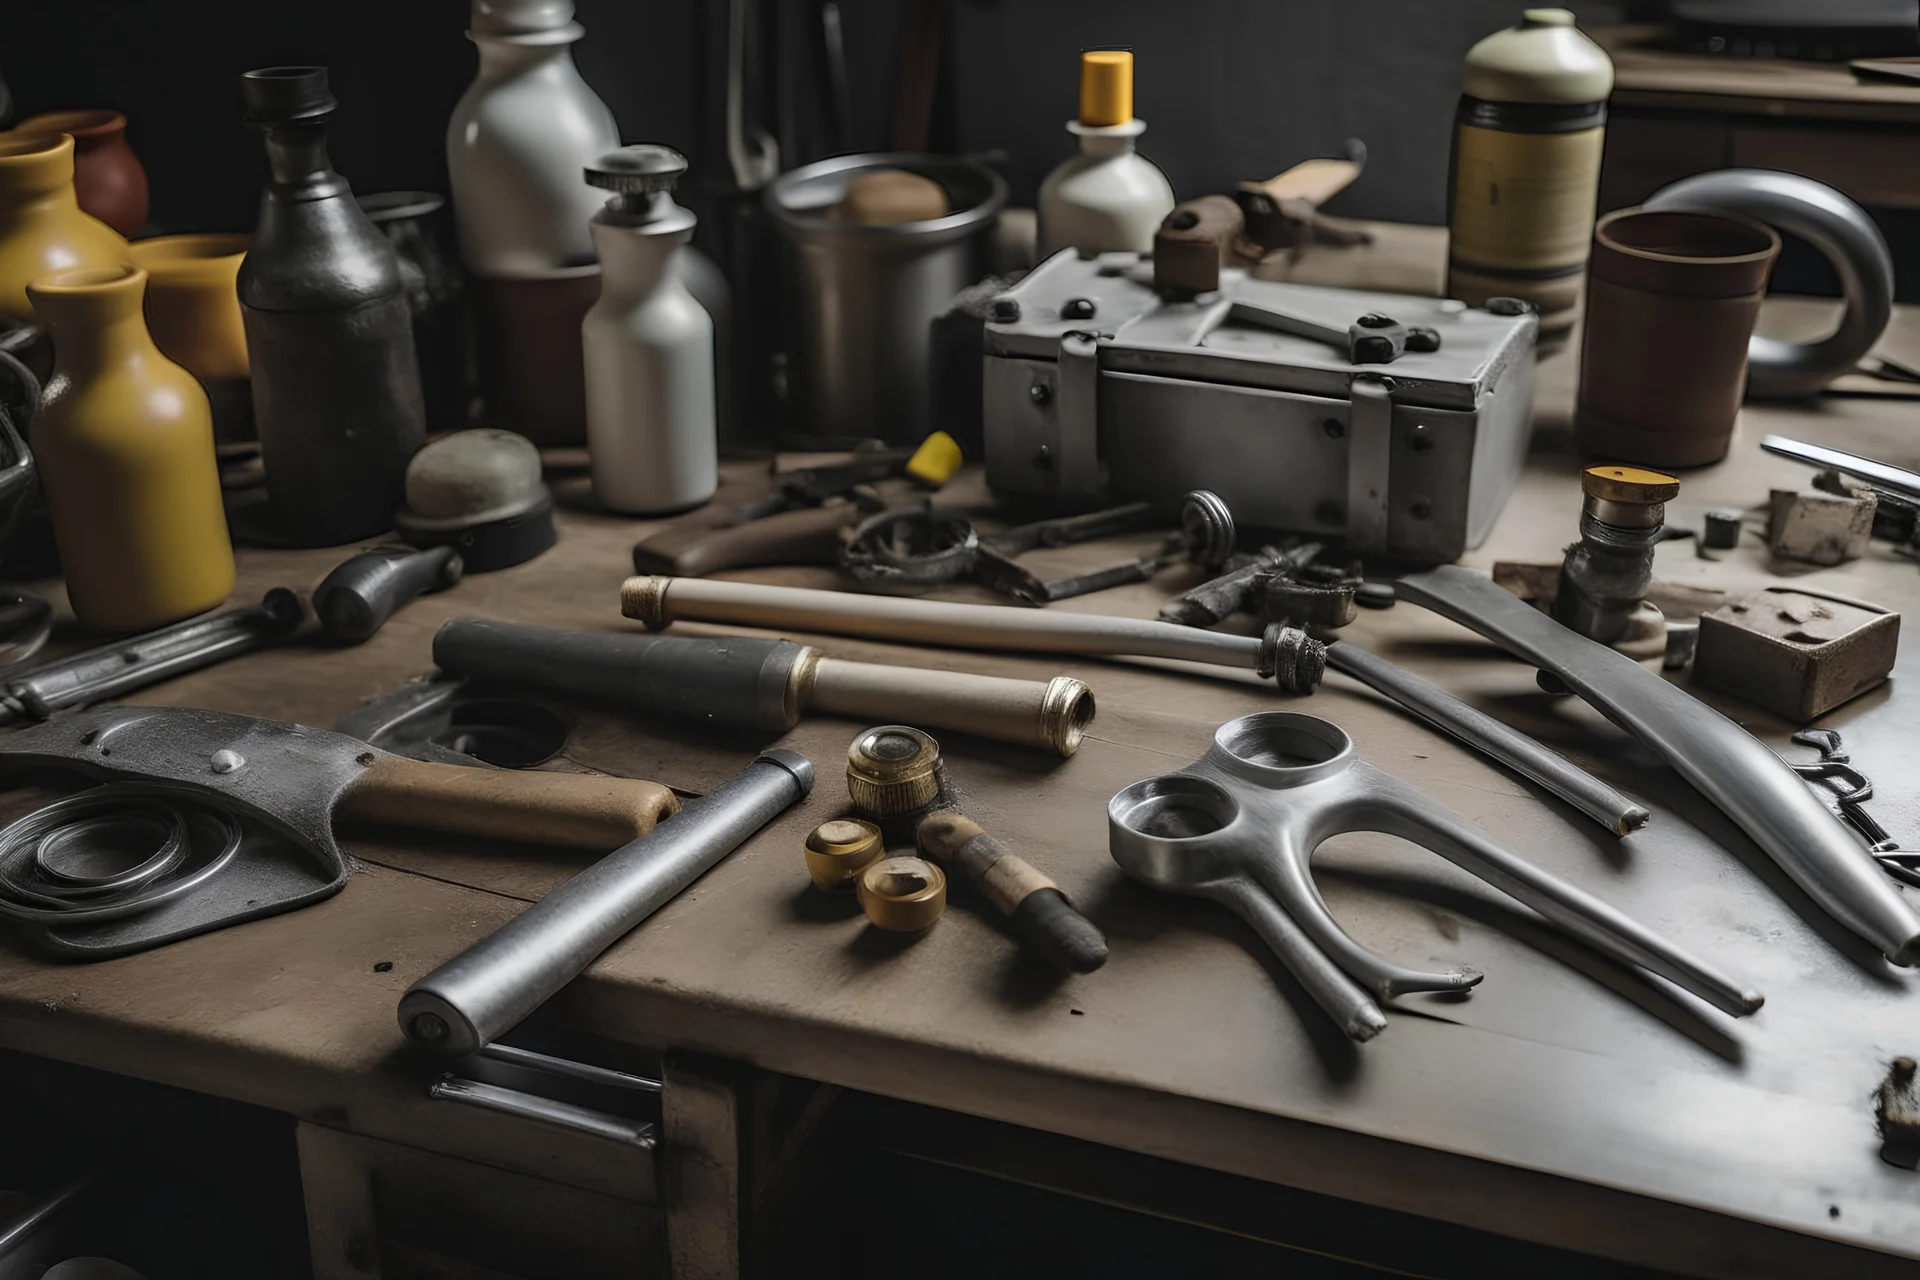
(1567, 1101)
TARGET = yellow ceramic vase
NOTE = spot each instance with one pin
(41, 226)
(193, 302)
(125, 446)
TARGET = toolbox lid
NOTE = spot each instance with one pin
(1208, 339)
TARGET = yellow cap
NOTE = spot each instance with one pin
(1106, 87)
(935, 461)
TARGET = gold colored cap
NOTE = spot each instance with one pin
(838, 851)
(1106, 87)
(1628, 484)
(903, 895)
(892, 770)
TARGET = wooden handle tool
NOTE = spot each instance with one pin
(577, 810)
(808, 535)
(1034, 906)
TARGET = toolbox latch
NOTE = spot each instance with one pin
(1078, 403)
(1369, 462)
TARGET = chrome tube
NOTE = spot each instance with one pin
(488, 988)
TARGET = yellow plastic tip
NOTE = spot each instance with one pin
(1106, 87)
(935, 461)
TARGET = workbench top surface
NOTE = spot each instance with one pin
(1566, 1100)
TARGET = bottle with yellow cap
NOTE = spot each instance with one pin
(1109, 198)
(1526, 168)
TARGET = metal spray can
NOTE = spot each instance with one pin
(1527, 140)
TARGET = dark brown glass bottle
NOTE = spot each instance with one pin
(336, 384)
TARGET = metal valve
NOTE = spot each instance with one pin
(636, 174)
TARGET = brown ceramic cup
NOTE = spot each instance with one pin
(532, 373)
(1672, 297)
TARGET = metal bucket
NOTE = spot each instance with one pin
(869, 295)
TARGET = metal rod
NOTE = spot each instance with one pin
(487, 989)
(659, 601)
(1488, 736)
(1728, 765)
(1895, 480)
(548, 1111)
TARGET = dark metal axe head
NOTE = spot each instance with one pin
(287, 776)
(281, 780)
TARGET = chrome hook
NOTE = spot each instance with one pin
(1239, 826)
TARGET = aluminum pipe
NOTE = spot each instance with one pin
(487, 989)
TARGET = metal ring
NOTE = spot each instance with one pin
(1832, 224)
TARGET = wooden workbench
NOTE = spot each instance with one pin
(1567, 1101)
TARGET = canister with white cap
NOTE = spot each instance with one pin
(1527, 140)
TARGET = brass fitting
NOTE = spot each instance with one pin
(1066, 709)
(1628, 497)
(903, 895)
(838, 851)
(892, 770)
(645, 599)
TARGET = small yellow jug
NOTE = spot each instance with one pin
(124, 441)
(41, 226)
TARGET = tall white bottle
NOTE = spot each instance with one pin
(519, 138)
(648, 345)
(1109, 198)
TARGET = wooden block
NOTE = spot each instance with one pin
(1819, 528)
(1797, 654)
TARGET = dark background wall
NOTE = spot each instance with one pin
(1231, 89)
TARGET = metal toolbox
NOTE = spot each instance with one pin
(1095, 387)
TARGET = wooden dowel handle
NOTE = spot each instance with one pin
(577, 810)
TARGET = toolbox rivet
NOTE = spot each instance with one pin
(1043, 460)
(1006, 310)
(1422, 508)
(1077, 309)
(1334, 428)
(90, 737)
(225, 761)
(1420, 438)
(1039, 393)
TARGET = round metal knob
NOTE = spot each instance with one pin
(637, 170)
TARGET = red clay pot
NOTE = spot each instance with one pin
(107, 177)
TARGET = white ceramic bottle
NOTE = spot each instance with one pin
(519, 138)
(648, 345)
(1109, 198)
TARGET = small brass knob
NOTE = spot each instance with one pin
(893, 770)
(838, 851)
(903, 895)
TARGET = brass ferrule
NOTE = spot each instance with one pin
(646, 600)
